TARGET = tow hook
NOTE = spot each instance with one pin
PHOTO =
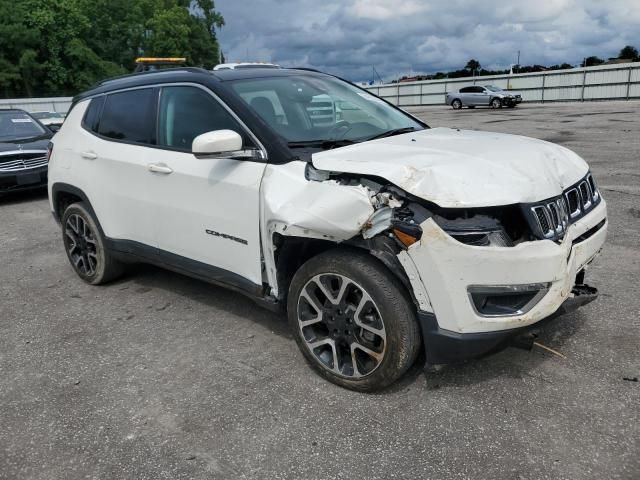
(524, 341)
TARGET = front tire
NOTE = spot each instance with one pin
(86, 248)
(353, 320)
(496, 103)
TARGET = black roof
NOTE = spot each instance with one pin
(188, 74)
(246, 72)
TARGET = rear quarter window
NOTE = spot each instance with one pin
(92, 114)
(129, 116)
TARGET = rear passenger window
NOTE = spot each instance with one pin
(186, 112)
(92, 114)
(129, 116)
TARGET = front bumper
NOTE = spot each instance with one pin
(512, 100)
(11, 181)
(445, 347)
(442, 269)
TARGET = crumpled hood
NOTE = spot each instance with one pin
(462, 168)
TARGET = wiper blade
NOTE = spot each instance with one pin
(324, 144)
(391, 133)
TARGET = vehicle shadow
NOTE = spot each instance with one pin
(508, 363)
(12, 198)
(511, 362)
(213, 296)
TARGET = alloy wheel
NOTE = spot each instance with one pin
(81, 245)
(341, 325)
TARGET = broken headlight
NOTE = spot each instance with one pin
(479, 230)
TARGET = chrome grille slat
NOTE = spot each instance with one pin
(23, 164)
(544, 220)
(20, 160)
(592, 184)
(573, 202)
(585, 195)
(552, 217)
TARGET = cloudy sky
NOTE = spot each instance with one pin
(347, 37)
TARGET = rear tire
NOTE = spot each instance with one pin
(86, 247)
(353, 320)
(456, 104)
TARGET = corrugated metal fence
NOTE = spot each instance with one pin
(621, 81)
(53, 104)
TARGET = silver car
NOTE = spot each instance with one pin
(483, 96)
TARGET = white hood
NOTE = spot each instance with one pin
(455, 168)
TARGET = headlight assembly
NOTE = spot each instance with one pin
(479, 230)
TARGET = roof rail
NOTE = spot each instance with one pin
(306, 69)
(137, 74)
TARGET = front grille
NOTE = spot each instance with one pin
(551, 218)
(22, 160)
(573, 198)
(543, 220)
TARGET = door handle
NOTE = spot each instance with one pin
(89, 155)
(159, 168)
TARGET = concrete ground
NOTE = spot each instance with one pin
(160, 376)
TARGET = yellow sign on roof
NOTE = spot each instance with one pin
(160, 60)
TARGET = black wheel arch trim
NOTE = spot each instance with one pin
(61, 188)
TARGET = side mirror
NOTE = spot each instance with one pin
(216, 142)
(54, 127)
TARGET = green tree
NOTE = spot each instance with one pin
(60, 47)
(18, 50)
(472, 65)
(629, 52)
(592, 61)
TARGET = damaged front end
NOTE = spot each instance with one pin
(478, 276)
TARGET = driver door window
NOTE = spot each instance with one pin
(186, 112)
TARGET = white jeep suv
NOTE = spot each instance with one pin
(379, 235)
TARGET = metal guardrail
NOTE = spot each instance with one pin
(604, 82)
(619, 81)
(50, 104)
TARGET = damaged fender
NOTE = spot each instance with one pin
(295, 206)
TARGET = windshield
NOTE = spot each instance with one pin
(312, 109)
(492, 88)
(18, 125)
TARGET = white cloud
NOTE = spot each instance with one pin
(386, 9)
(347, 37)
